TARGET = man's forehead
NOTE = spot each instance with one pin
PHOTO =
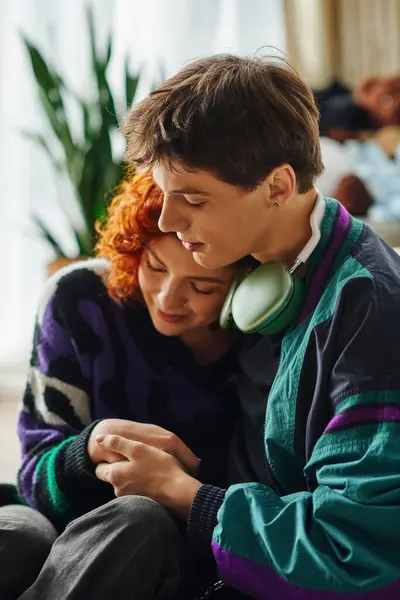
(179, 180)
(165, 177)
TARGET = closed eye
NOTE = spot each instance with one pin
(153, 268)
(196, 203)
(203, 292)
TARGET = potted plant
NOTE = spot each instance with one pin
(88, 163)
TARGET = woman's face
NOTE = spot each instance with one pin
(181, 295)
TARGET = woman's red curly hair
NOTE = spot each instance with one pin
(131, 224)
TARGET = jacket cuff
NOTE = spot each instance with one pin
(203, 518)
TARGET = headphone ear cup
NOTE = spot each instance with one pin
(267, 301)
(289, 311)
(226, 319)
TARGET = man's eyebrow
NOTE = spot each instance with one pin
(183, 191)
(190, 192)
(155, 255)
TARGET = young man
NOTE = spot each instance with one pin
(315, 509)
(233, 143)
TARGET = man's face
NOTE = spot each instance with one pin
(218, 222)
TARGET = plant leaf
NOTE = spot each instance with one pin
(45, 233)
(40, 140)
(92, 37)
(99, 176)
(106, 103)
(83, 242)
(108, 112)
(49, 84)
(109, 50)
(131, 84)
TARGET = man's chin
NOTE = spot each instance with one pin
(210, 260)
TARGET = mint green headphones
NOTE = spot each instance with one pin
(267, 300)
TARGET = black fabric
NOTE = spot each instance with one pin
(258, 362)
(203, 518)
(9, 494)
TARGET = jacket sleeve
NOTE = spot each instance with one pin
(340, 540)
(56, 475)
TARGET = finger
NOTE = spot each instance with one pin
(111, 473)
(187, 457)
(104, 472)
(113, 457)
(116, 444)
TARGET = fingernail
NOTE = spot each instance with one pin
(100, 438)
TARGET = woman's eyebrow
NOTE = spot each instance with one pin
(193, 277)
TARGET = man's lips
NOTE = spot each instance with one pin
(192, 246)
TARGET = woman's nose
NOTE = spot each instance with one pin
(171, 297)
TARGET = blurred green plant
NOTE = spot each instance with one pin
(88, 162)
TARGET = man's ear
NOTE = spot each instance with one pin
(282, 185)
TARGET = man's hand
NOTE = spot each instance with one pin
(152, 435)
(147, 471)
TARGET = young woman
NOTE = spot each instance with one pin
(126, 343)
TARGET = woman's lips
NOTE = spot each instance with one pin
(170, 318)
(192, 246)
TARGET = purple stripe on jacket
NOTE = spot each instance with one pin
(374, 413)
(262, 583)
(323, 269)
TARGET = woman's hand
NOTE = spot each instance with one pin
(152, 435)
(147, 471)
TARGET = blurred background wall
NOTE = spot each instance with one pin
(158, 36)
(336, 45)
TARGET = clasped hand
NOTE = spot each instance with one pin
(152, 435)
(147, 471)
(145, 460)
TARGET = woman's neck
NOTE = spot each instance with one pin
(208, 345)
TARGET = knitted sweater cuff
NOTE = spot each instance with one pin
(203, 518)
(77, 463)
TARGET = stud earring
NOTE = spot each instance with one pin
(276, 204)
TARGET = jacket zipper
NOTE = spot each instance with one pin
(215, 587)
(271, 478)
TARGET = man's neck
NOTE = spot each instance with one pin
(291, 232)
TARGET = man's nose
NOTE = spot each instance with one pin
(172, 218)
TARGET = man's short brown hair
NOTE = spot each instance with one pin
(236, 117)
